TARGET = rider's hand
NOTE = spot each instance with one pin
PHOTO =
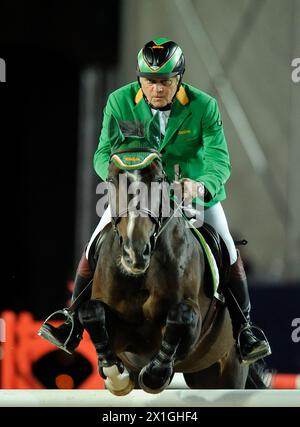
(190, 189)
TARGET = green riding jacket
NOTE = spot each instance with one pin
(194, 136)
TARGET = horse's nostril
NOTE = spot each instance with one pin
(147, 250)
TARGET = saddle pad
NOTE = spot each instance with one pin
(215, 277)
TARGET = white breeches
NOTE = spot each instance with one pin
(213, 216)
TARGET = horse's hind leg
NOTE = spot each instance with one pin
(227, 373)
(207, 378)
(180, 333)
(234, 373)
(116, 378)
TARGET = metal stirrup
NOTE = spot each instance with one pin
(69, 317)
(238, 341)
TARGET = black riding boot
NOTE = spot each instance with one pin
(63, 336)
(238, 302)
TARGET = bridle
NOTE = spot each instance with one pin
(157, 220)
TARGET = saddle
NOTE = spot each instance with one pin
(219, 251)
(95, 247)
(221, 255)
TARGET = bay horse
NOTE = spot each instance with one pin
(148, 313)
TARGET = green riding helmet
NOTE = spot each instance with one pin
(160, 58)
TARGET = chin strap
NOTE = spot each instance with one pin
(165, 108)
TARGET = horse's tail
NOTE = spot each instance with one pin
(259, 376)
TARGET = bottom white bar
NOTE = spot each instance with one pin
(138, 398)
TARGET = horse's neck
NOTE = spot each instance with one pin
(175, 238)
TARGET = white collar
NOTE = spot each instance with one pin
(166, 113)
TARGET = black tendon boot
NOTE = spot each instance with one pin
(69, 334)
(249, 346)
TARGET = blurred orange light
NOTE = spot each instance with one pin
(64, 381)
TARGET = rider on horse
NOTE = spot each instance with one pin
(192, 136)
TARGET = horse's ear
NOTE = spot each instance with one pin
(115, 134)
(152, 131)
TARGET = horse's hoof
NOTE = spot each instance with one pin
(124, 391)
(117, 383)
(146, 387)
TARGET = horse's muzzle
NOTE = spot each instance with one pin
(136, 260)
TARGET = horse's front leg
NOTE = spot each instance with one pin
(181, 331)
(116, 377)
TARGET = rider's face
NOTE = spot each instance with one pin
(159, 92)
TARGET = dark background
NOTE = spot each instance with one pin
(45, 45)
